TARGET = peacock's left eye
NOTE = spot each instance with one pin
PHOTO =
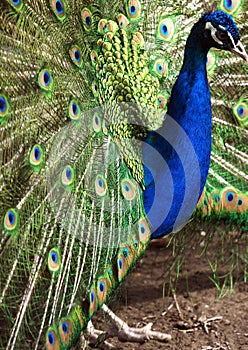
(222, 35)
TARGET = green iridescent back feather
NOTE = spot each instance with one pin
(72, 217)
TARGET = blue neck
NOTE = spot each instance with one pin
(178, 155)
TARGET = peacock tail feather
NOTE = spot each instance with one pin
(81, 85)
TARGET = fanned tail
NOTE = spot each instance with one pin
(72, 216)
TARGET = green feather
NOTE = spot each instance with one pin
(81, 84)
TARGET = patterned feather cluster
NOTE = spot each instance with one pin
(81, 84)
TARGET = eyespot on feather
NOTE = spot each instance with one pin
(215, 200)
(4, 106)
(240, 111)
(16, 4)
(101, 185)
(93, 301)
(74, 110)
(95, 89)
(136, 244)
(45, 79)
(87, 18)
(96, 122)
(159, 68)
(68, 175)
(52, 339)
(102, 26)
(162, 100)
(66, 330)
(122, 21)
(133, 9)
(11, 220)
(242, 205)
(231, 6)
(166, 30)
(94, 58)
(76, 56)
(103, 289)
(54, 260)
(36, 156)
(144, 231)
(126, 258)
(123, 263)
(120, 265)
(229, 199)
(128, 189)
(70, 327)
(58, 8)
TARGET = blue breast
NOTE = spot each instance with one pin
(177, 156)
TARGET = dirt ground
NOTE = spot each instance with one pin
(206, 323)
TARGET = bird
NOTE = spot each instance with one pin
(106, 144)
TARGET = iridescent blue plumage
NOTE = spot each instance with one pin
(173, 190)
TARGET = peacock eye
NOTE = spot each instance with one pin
(222, 35)
(76, 56)
(87, 18)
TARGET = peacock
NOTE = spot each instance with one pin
(107, 143)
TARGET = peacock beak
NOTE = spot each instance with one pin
(240, 50)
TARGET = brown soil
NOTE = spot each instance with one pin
(145, 298)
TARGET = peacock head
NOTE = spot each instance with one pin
(219, 30)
